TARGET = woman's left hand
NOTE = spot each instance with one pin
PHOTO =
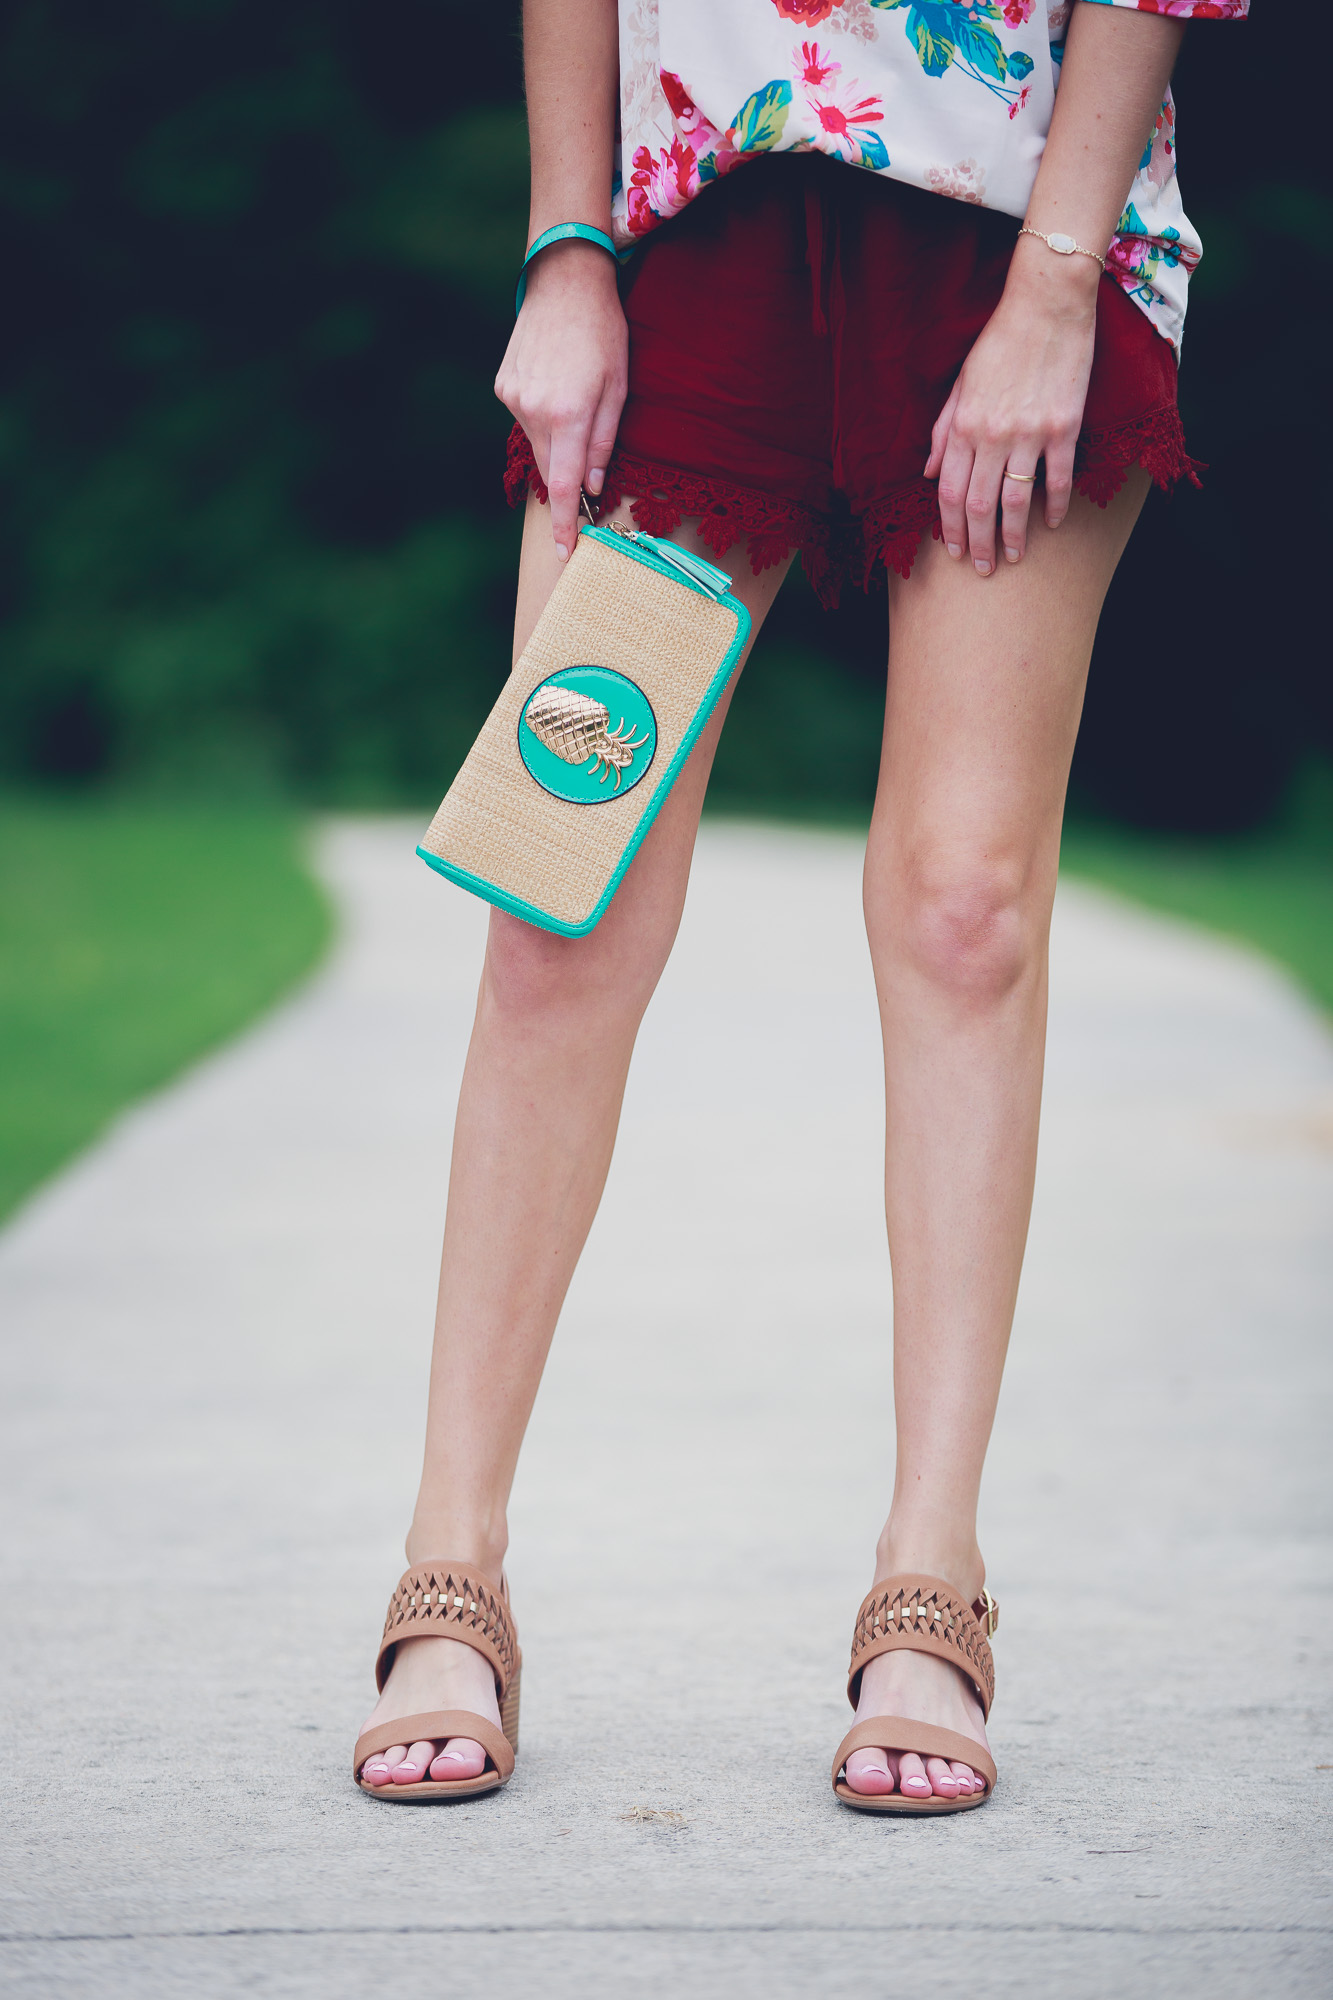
(1018, 400)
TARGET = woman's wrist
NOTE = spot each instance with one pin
(571, 265)
(1043, 280)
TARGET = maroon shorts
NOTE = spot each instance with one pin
(794, 334)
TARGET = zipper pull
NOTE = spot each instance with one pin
(708, 576)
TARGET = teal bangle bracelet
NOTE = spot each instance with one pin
(559, 234)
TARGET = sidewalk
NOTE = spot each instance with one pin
(214, 1333)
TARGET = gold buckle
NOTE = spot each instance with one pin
(992, 1612)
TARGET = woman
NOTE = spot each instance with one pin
(833, 335)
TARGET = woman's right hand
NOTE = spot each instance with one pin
(564, 375)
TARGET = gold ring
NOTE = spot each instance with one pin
(1023, 478)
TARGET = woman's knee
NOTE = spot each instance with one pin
(969, 924)
(533, 975)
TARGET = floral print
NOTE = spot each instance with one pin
(958, 34)
(898, 87)
(1189, 10)
(844, 117)
(964, 181)
(808, 12)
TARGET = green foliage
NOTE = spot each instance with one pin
(259, 268)
(800, 730)
(131, 941)
(1274, 890)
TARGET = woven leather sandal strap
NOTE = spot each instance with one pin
(451, 1600)
(436, 1727)
(922, 1614)
(898, 1732)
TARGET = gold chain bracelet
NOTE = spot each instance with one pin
(1063, 246)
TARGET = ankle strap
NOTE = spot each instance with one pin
(446, 1599)
(922, 1614)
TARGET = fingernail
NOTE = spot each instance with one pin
(1011, 555)
(982, 568)
(595, 479)
(562, 551)
(953, 549)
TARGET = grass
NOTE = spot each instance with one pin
(135, 938)
(132, 940)
(1273, 890)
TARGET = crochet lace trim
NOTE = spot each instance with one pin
(1155, 440)
(665, 495)
(886, 536)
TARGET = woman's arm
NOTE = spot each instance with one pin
(564, 371)
(1021, 393)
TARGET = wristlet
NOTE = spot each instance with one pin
(626, 664)
(560, 234)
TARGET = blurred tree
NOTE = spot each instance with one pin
(259, 264)
(1202, 727)
(259, 269)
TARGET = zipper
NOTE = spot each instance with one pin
(714, 582)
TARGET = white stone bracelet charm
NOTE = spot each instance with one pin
(1063, 246)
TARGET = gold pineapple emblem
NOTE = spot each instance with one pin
(576, 728)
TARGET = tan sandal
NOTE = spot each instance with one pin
(449, 1600)
(920, 1614)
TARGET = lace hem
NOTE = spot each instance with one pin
(885, 537)
(1156, 441)
(891, 528)
(662, 496)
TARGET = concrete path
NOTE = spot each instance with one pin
(215, 1346)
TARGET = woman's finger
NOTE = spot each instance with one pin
(1059, 481)
(1016, 502)
(955, 476)
(602, 437)
(939, 436)
(983, 498)
(569, 456)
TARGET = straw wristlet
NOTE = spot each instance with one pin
(636, 644)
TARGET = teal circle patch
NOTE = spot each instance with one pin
(587, 734)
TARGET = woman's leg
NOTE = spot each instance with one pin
(537, 1115)
(985, 688)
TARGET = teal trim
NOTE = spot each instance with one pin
(561, 234)
(666, 559)
(501, 898)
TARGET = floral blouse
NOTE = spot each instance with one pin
(950, 95)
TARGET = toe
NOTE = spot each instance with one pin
(378, 1770)
(912, 1780)
(460, 1758)
(414, 1765)
(942, 1780)
(868, 1772)
(968, 1780)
